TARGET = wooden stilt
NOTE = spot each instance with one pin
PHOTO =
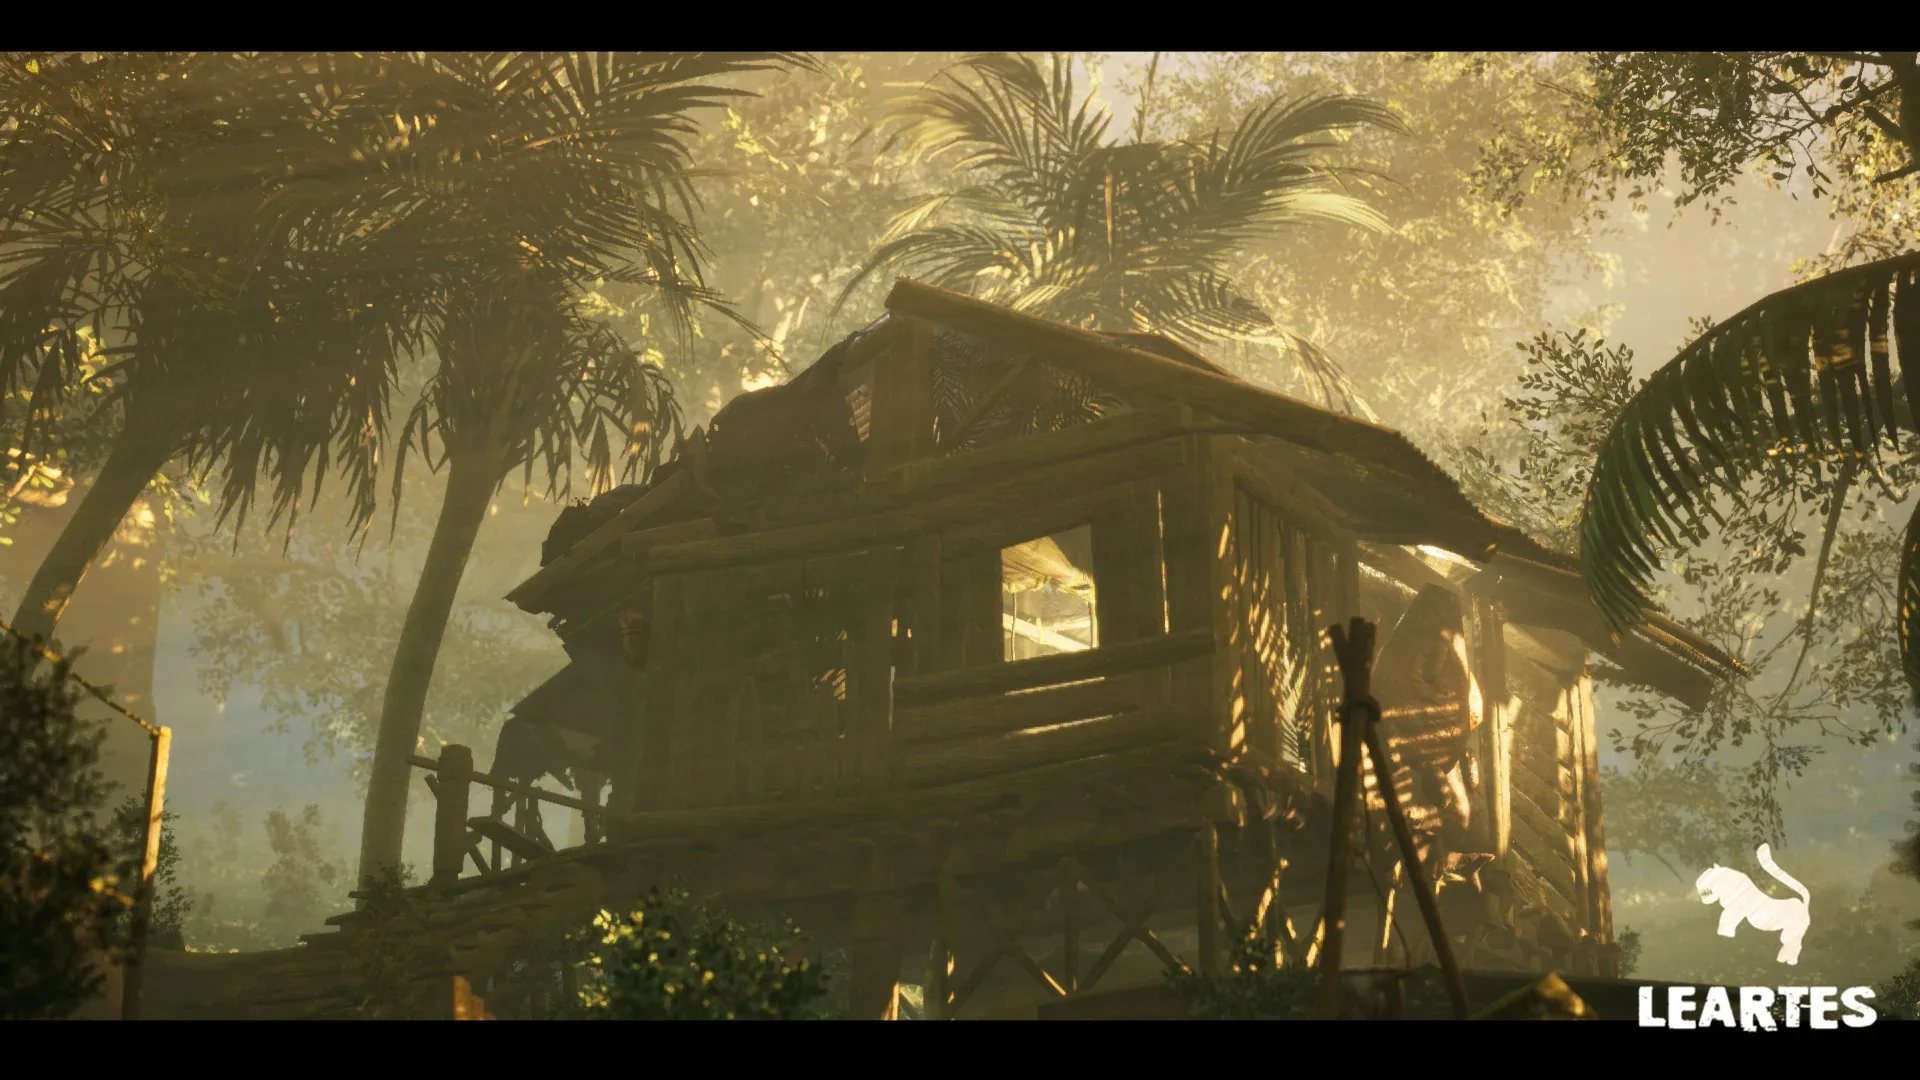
(1359, 722)
(1346, 792)
(149, 862)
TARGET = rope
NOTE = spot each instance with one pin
(51, 657)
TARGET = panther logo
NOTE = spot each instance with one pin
(1741, 901)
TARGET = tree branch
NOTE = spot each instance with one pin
(1908, 169)
(1880, 120)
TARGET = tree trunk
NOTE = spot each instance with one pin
(471, 482)
(144, 447)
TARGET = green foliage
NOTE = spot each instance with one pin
(58, 900)
(1045, 215)
(1571, 389)
(1684, 815)
(1836, 119)
(1256, 985)
(301, 876)
(1630, 947)
(1420, 316)
(1808, 670)
(1898, 998)
(171, 903)
(389, 960)
(258, 888)
(1907, 851)
(669, 959)
(1798, 389)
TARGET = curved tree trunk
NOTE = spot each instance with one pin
(471, 481)
(144, 447)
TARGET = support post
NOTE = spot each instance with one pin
(1359, 716)
(454, 790)
(131, 967)
(1346, 791)
(875, 987)
(1207, 897)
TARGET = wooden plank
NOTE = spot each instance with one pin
(871, 674)
(497, 783)
(1278, 488)
(902, 524)
(1600, 886)
(1150, 582)
(900, 424)
(971, 588)
(1051, 670)
(1549, 866)
(1115, 558)
(1487, 653)
(520, 844)
(1103, 358)
(451, 796)
(1189, 518)
(635, 545)
(1011, 753)
(923, 581)
(999, 714)
(655, 746)
(1576, 810)
(1387, 452)
(933, 476)
(601, 540)
(1021, 524)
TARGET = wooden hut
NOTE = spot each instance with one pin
(1027, 622)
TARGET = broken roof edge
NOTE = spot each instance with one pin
(1208, 387)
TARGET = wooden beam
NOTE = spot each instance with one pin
(968, 508)
(998, 714)
(1035, 632)
(514, 786)
(1103, 358)
(635, 545)
(927, 476)
(1052, 670)
(1021, 750)
(662, 497)
(900, 423)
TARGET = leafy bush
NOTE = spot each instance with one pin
(1898, 998)
(669, 959)
(171, 903)
(58, 897)
(1629, 952)
(389, 960)
(1254, 986)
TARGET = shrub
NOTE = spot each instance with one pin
(1254, 986)
(1899, 997)
(59, 900)
(669, 959)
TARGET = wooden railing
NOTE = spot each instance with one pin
(457, 836)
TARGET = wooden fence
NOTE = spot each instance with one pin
(457, 836)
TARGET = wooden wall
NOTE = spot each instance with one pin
(1557, 849)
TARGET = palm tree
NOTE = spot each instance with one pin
(138, 209)
(1808, 391)
(502, 189)
(1136, 236)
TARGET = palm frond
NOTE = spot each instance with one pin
(1808, 378)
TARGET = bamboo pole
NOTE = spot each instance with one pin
(1359, 717)
(1346, 790)
(149, 862)
(1416, 874)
